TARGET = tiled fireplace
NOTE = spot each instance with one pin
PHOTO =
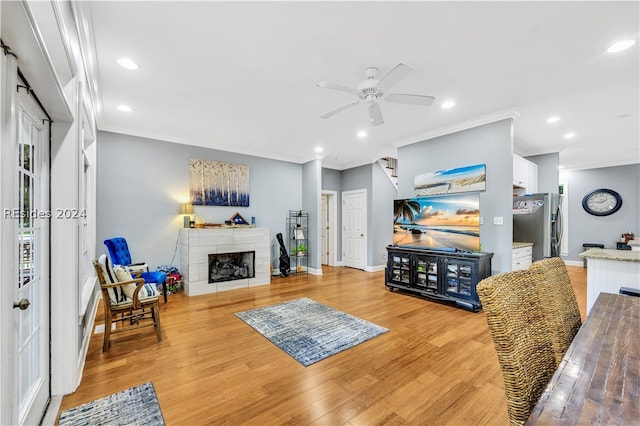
(231, 250)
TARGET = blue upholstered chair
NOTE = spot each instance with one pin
(120, 255)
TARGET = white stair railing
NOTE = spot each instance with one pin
(390, 167)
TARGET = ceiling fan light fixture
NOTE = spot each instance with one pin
(620, 46)
(553, 119)
(447, 104)
(124, 108)
(569, 135)
(371, 90)
(362, 134)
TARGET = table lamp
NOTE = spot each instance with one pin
(187, 210)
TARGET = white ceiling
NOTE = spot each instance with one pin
(241, 76)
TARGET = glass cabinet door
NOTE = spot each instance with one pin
(458, 281)
(427, 273)
(400, 269)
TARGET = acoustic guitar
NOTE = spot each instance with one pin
(285, 262)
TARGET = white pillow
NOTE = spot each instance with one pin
(116, 294)
(147, 290)
(123, 274)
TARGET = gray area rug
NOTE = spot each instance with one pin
(135, 406)
(309, 331)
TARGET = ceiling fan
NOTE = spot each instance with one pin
(371, 90)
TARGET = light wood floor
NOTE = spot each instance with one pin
(436, 366)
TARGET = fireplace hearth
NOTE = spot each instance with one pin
(231, 266)
(197, 243)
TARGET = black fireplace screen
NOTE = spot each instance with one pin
(231, 266)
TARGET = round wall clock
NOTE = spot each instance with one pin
(602, 202)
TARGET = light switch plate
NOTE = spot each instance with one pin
(498, 220)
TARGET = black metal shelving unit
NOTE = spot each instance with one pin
(297, 241)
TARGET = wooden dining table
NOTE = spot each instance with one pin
(598, 380)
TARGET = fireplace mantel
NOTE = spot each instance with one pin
(196, 245)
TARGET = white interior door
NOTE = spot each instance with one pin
(354, 226)
(26, 227)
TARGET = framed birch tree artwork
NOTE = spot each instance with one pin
(216, 183)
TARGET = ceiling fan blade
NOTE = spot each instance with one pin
(399, 72)
(409, 99)
(340, 109)
(376, 114)
(327, 85)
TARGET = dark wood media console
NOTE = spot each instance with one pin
(449, 277)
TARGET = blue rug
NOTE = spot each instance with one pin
(135, 406)
(309, 331)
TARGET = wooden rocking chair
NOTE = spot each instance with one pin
(127, 301)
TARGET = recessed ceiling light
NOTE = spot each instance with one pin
(447, 105)
(318, 150)
(128, 64)
(553, 119)
(620, 46)
(362, 134)
(124, 108)
(569, 135)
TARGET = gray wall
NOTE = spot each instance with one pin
(492, 145)
(311, 182)
(354, 179)
(585, 228)
(142, 182)
(382, 196)
(548, 173)
(332, 181)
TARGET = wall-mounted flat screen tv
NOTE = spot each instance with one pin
(446, 222)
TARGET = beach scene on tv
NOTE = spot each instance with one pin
(445, 222)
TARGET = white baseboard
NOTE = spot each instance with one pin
(52, 411)
(374, 268)
(314, 271)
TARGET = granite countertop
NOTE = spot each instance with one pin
(610, 254)
(518, 244)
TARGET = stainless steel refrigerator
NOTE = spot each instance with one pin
(537, 219)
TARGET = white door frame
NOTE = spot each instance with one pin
(332, 209)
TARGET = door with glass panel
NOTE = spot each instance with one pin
(31, 220)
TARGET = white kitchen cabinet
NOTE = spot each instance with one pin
(521, 256)
(519, 171)
(525, 175)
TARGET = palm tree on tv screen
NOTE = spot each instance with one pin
(407, 209)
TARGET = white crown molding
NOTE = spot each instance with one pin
(171, 139)
(463, 125)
